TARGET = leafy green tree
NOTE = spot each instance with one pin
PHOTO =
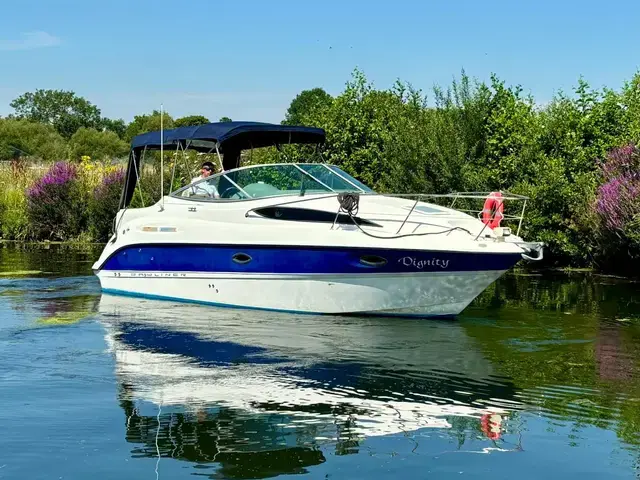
(190, 121)
(63, 110)
(119, 127)
(574, 132)
(359, 124)
(225, 119)
(630, 98)
(147, 123)
(585, 127)
(97, 145)
(306, 106)
(512, 131)
(438, 149)
(20, 138)
(481, 137)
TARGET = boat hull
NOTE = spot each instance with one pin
(426, 294)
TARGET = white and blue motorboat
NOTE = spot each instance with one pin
(302, 237)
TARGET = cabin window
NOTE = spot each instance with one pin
(263, 181)
(311, 215)
(329, 177)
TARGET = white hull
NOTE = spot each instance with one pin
(424, 295)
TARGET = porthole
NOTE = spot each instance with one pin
(373, 261)
(241, 258)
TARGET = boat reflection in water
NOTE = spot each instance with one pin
(262, 394)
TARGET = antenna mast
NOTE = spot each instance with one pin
(162, 156)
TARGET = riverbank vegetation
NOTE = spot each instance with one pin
(575, 157)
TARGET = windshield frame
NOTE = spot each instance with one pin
(330, 168)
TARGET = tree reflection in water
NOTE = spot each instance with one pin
(240, 447)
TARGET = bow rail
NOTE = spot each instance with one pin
(458, 201)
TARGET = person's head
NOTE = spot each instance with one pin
(206, 169)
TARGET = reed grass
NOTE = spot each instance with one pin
(14, 181)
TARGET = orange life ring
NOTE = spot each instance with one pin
(492, 210)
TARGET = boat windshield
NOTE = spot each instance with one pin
(260, 181)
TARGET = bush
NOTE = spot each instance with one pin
(55, 205)
(104, 205)
(617, 206)
(616, 202)
(97, 145)
(21, 137)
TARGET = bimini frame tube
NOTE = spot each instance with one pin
(161, 157)
(219, 157)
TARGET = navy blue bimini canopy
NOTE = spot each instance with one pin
(230, 138)
(242, 135)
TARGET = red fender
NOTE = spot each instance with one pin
(492, 210)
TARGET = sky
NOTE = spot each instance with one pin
(248, 59)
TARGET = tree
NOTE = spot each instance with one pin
(190, 120)
(97, 145)
(116, 126)
(306, 105)
(631, 100)
(512, 137)
(225, 119)
(433, 150)
(359, 124)
(147, 123)
(23, 138)
(61, 109)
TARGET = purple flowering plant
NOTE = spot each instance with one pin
(618, 197)
(61, 173)
(55, 206)
(111, 181)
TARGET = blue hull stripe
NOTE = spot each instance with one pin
(126, 293)
(301, 260)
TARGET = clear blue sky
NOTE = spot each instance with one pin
(248, 59)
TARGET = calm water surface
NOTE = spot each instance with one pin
(538, 379)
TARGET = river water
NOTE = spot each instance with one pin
(539, 378)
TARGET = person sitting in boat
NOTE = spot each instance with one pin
(206, 188)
